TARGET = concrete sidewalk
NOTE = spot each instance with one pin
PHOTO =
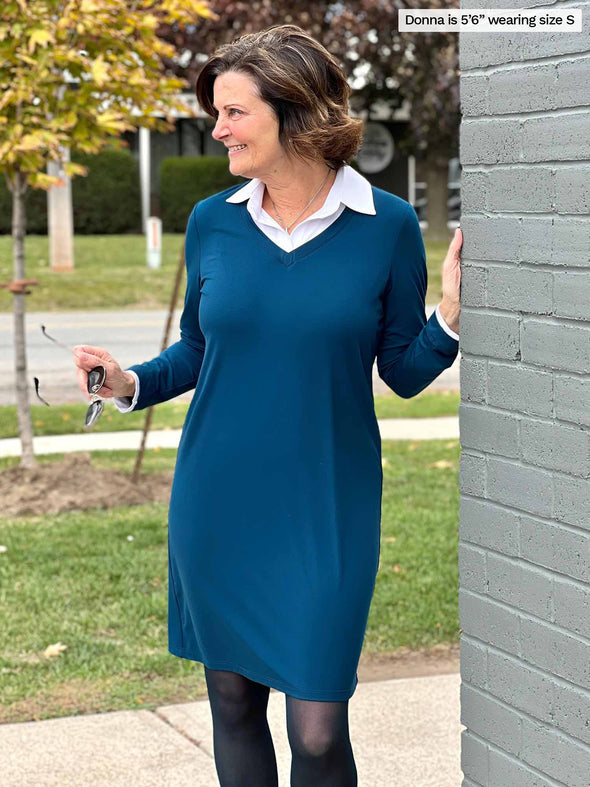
(404, 733)
(389, 428)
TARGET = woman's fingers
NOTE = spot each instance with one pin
(451, 269)
(88, 357)
(83, 382)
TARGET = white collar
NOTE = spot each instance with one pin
(349, 187)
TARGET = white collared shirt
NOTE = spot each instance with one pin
(350, 189)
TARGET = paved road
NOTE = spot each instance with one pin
(130, 336)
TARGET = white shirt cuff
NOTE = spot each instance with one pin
(444, 326)
(122, 403)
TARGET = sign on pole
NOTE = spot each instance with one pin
(154, 242)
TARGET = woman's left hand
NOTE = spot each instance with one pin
(450, 305)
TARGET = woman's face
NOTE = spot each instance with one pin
(245, 119)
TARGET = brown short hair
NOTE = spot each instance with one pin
(301, 81)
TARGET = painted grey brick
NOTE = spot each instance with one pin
(506, 771)
(477, 50)
(520, 289)
(473, 662)
(536, 541)
(502, 4)
(546, 647)
(520, 388)
(474, 190)
(555, 754)
(522, 189)
(472, 474)
(524, 587)
(572, 501)
(572, 607)
(474, 758)
(572, 398)
(571, 242)
(555, 345)
(490, 719)
(472, 568)
(469, 783)
(491, 141)
(489, 621)
(492, 335)
(556, 547)
(527, 89)
(555, 240)
(555, 446)
(488, 431)
(571, 292)
(520, 686)
(522, 487)
(572, 194)
(524, 517)
(573, 84)
(488, 525)
(571, 709)
(556, 138)
(490, 238)
(472, 376)
(473, 95)
(473, 285)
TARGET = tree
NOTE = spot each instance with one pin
(382, 63)
(75, 74)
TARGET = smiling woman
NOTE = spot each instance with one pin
(274, 124)
(297, 282)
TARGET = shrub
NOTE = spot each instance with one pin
(106, 201)
(184, 180)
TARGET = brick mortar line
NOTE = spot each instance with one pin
(529, 615)
(514, 759)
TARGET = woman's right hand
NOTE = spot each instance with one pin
(117, 383)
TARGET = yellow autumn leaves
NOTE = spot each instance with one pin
(77, 73)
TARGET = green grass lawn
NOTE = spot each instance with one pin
(69, 419)
(76, 579)
(111, 272)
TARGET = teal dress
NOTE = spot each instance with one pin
(274, 519)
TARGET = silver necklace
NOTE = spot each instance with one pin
(304, 209)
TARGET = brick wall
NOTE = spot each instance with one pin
(524, 522)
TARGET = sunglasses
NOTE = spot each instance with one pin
(96, 379)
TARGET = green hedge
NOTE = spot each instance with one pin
(107, 201)
(184, 180)
(35, 210)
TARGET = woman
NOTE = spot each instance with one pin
(296, 282)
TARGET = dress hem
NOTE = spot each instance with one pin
(325, 696)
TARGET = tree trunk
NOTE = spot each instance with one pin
(25, 426)
(60, 217)
(436, 177)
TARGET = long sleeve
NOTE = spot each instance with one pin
(177, 368)
(412, 351)
(443, 324)
(125, 404)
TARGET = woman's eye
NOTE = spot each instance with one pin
(234, 110)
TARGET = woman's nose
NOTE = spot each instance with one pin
(218, 130)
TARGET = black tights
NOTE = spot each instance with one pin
(244, 752)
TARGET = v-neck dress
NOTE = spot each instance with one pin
(274, 519)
